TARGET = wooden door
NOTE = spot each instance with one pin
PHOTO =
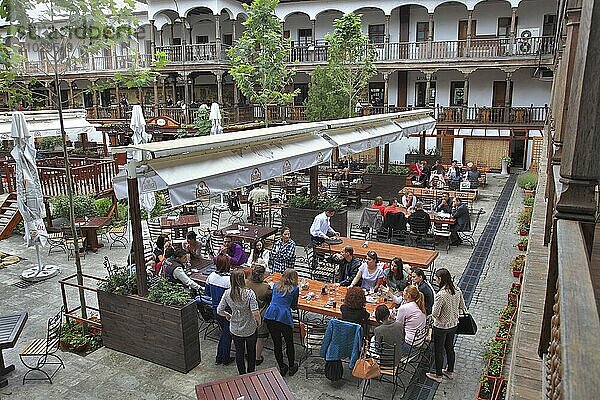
(462, 35)
(499, 94)
(447, 146)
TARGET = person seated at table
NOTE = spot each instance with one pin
(257, 195)
(349, 265)
(216, 284)
(258, 255)
(283, 254)
(472, 175)
(454, 175)
(426, 172)
(173, 269)
(159, 247)
(419, 220)
(321, 229)
(263, 293)
(409, 200)
(420, 281)
(438, 168)
(411, 314)
(394, 277)
(353, 165)
(233, 251)
(378, 204)
(169, 251)
(344, 168)
(353, 309)
(280, 322)
(393, 207)
(460, 213)
(370, 274)
(444, 204)
(389, 331)
(193, 246)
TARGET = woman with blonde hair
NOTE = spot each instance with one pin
(243, 319)
(411, 314)
(378, 204)
(278, 318)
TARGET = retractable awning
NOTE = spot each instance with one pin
(46, 124)
(356, 139)
(197, 175)
(415, 125)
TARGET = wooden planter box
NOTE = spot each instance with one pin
(493, 387)
(414, 158)
(385, 185)
(299, 221)
(161, 334)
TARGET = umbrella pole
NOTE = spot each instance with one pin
(39, 258)
(269, 203)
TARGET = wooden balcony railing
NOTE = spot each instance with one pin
(493, 48)
(90, 176)
(492, 115)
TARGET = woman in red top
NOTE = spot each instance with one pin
(378, 204)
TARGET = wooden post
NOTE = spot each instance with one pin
(314, 180)
(136, 229)
(430, 36)
(513, 28)
(386, 84)
(233, 31)
(313, 24)
(386, 158)
(218, 36)
(219, 75)
(507, 96)
(386, 37)
(469, 27)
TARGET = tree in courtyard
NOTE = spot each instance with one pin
(258, 58)
(67, 32)
(350, 65)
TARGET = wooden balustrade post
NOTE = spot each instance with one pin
(430, 37)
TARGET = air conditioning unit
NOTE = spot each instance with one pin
(528, 41)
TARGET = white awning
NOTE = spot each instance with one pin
(46, 123)
(196, 175)
(415, 125)
(356, 139)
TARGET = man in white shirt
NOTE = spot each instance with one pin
(321, 227)
(257, 195)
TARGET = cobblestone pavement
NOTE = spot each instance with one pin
(108, 374)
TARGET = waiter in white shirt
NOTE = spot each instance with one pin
(321, 227)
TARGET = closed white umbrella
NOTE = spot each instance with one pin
(30, 198)
(215, 118)
(138, 126)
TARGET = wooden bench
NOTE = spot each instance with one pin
(10, 330)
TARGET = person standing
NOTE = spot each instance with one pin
(283, 254)
(216, 284)
(321, 229)
(278, 318)
(244, 319)
(449, 302)
(263, 294)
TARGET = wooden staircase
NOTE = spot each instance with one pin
(9, 216)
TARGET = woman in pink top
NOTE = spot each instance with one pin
(411, 314)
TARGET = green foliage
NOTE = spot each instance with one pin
(508, 313)
(123, 211)
(528, 201)
(79, 338)
(156, 211)
(398, 170)
(326, 98)
(20, 228)
(202, 124)
(83, 206)
(103, 206)
(494, 348)
(495, 366)
(372, 169)
(258, 58)
(120, 281)
(314, 202)
(527, 181)
(515, 289)
(49, 143)
(524, 241)
(507, 159)
(504, 330)
(433, 152)
(170, 294)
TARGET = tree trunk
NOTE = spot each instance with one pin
(265, 107)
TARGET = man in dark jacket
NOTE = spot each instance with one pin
(349, 265)
(419, 220)
(460, 212)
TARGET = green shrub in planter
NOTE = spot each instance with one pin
(103, 206)
(120, 281)
(372, 169)
(528, 201)
(527, 181)
(49, 143)
(84, 206)
(167, 293)
(314, 202)
(398, 170)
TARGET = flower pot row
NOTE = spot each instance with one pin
(491, 388)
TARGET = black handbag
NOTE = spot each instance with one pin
(334, 370)
(466, 325)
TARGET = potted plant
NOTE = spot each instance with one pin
(301, 210)
(386, 185)
(528, 182)
(528, 203)
(517, 269)
(162, 328)
(501, 392)
(504, 330)
(524, 219)
(506, 160)
(522, 245)
(495, 366)
(508, 314)
(80, 338)
(487, 387)
(522, 229)
(515, 289)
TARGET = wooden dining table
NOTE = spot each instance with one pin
(414, 256)
(181, 221)
(11, 327)
(266, 384)
(89, 228)
(322, 303)
(248, 232)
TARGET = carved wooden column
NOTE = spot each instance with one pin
(469, 27)
(183, 42)
(507, 97)
(386, 84)
(386, 37)
(513, 28)
(465, 108)
(218, 36)
(71, 94)
(219, 75)
(313, 24)
(233, 30)
(152, 39)
(430, 36)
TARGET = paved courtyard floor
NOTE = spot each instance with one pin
(106, 374)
